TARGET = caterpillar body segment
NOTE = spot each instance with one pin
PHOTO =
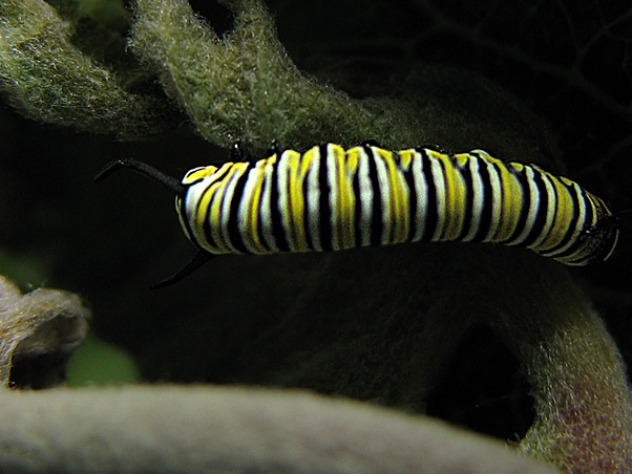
(330, 198)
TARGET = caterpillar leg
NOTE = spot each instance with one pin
(274, 149)
(237, 153)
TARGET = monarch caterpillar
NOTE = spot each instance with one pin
(329, 198)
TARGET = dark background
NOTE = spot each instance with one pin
(569, 62)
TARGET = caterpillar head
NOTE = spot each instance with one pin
(599, 238)
(602, 237)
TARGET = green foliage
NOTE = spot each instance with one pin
(99, 363)
(244, 85)
(372, 324)
(109, 12)
(47, 78)
(27, 270)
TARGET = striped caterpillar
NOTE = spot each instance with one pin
(331, 198)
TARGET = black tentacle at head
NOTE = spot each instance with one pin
(144, 169)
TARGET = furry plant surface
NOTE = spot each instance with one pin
(410, 327)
